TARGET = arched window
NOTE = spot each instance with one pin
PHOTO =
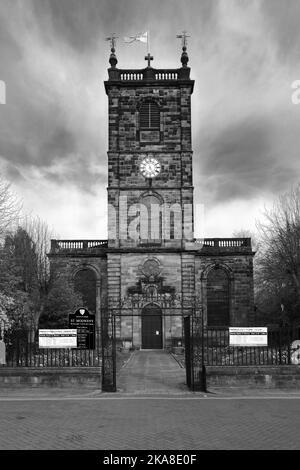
(149, 115)
(217, 297)
(85, 284)
(150, 218)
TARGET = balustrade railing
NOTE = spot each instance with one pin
(77, 245)
(58, 246)
(149, 73)
(223, 242)
(131, 76)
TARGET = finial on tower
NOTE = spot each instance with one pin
(112, 58)
(184, 56)
(149, 57)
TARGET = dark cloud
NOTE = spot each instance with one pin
(53, 58)
(77, 23)
(33, 136)
(79, 172)
(60, 142)
(246, 159)
(13, 173)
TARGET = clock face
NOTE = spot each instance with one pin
(150, 167)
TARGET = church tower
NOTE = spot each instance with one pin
(150, 187)
(150, 197)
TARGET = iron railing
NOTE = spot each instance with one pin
(22, 350)
(211, 347)
(207, 346)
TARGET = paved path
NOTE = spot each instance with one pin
(152, 372)
(150, 423)
(152, 410)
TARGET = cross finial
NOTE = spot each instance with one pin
(183, 38)
(149, 57)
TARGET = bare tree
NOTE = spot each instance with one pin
(10, 207)
(245, 233)
(41, 235)
(278, 259)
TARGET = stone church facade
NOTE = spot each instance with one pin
(151, 271)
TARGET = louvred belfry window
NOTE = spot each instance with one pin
(149, 115)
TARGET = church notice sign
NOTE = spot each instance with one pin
(63, 338)
(84, 322)
(248, 336)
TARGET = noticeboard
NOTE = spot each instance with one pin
(58, 338)
(84, 322)
(255, 336)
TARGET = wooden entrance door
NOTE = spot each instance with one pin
(151, 327)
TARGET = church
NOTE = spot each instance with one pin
(151, 272)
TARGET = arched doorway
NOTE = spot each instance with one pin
(85, 284)
(152, 327)
(218, 297)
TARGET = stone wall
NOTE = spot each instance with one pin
(239, 268)
(175, 116)
(127, 149)
(125, 275)
(285, 377)
(58, 377)
(175, 206)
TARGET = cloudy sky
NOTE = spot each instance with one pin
(244, 57)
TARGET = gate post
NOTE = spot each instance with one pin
(202, 379)
(187, 350)
(198, 369)
(202, 374)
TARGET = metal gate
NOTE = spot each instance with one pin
(108, 369)
(194, 352)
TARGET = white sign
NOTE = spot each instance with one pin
(2, 92)
(2, 353)
(248, 336)
(58, 338)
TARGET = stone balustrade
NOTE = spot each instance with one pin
(95, 246)
(149, 73)
(223, 242)
(73, 246)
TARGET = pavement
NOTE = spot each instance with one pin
(152, 410)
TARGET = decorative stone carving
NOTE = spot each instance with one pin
(151, 268)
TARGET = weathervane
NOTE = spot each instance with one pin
(112, 40)
(183, 38)
(184, 56)
(113, 58)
